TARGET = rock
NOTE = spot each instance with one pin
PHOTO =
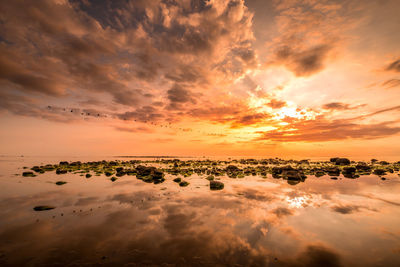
(333, 160)
(210, 177)
(333, 171)
(319, 173)
(362, 166)
(60, 183)
(61, 171)
(379, 172)
(177, 180)
(216, 185)
(42, 208)
(63, 163)
(88, 175)
(28, 174)
(293, 175)
(349, 172)
(334, 178)
(149, 174)
(37, 169)
(342, 161)
(183, 183)
(113, 179)
(232, 168)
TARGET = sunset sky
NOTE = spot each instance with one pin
(287, 78)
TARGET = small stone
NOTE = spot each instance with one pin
(42, 208)
(183, 183)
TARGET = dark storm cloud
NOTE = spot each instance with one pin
(303, 62)
(394, 66)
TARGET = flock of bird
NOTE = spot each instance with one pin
(95, 114)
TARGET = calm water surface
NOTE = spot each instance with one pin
(252, 222)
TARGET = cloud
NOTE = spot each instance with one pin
(326, 130)
(82, 48)
(391, 83)
(340, 106)
(276, 104)
(304, 62)
(178, 95)
(282, 212)
(394, 66)
(134, 129)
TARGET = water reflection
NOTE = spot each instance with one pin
(252, 222)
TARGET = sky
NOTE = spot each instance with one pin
(273, 78)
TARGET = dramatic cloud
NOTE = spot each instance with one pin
(246, 73)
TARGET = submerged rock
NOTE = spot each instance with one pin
(216, 185)
(60, 182)
(42, 208)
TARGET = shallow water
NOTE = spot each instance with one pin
(253, 221)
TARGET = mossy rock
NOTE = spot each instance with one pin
(215, 185)
(60, 182)
(210, 177)
(183, 184)
(61, 171)
(42, 208)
